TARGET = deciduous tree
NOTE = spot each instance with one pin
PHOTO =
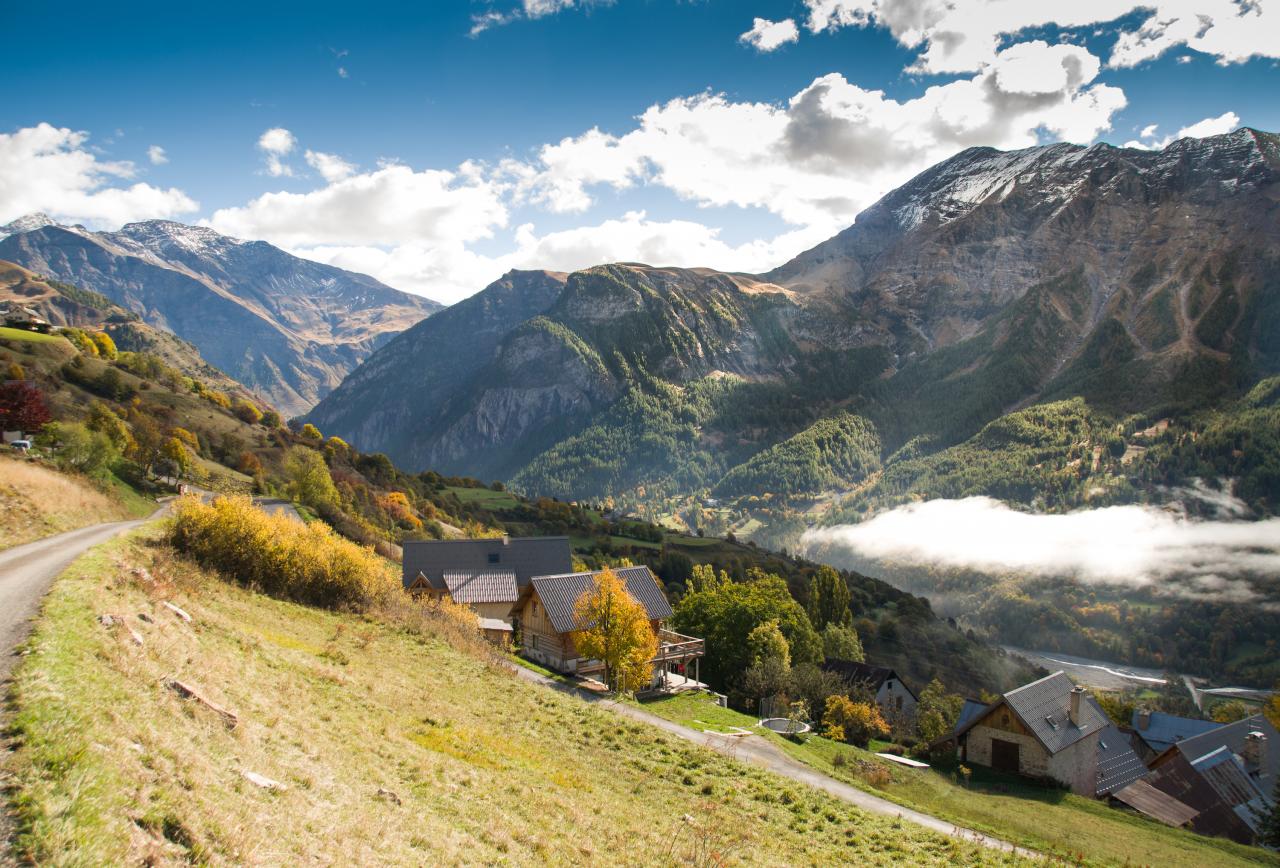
(828, 599)
(22, 408)
(842, 643)
(615, 630)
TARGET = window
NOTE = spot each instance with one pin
(898, 702)
(494, 557)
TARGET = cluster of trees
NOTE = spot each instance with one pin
(835, 452)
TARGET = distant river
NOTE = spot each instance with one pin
(1098, 674)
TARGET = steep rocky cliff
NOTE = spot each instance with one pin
(285, 326)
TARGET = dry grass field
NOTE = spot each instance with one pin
(386, 743)
(37, 501)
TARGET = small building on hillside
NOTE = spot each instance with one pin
(1154, 732)
(426, 563)
(545, 619)
(896, 700)
(18, 316)
(1048, 730)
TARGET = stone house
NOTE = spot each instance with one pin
(1047, 730)
(896, 700)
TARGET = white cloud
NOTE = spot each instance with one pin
(1138, 546)
(342, 72)
(52, 169)
(157, 156)
(388, 206)
(955, 36)
(275, 144)
(1224, 123)
(330, 166)
(766, 35)
(531, 9)
(834, 147)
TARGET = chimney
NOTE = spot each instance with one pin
(1144, 718)
(1077, 696)
(506, 539)
(1255, 751)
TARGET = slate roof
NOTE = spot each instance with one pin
(854, 672)
(1165, 730)
(495, 587)
(1043, 707)
(560, 593)
(1146, 799)
(1118, 764)
(1232, 736)
(972, 708)
(525, 556)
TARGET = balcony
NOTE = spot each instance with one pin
(673, 647)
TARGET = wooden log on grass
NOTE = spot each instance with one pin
(187, 691)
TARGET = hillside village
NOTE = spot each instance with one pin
(801, 669)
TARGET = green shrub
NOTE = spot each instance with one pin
(282, 557)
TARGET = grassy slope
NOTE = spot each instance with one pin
(112, 767)
(24, 335)
(1050, 821)
(37, 501)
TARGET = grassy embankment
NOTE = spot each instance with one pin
(391, 746)
(37, 501)
(1050, 821)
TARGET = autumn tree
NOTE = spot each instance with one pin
(858, 722)
(828, 599)
(106, 421)
(308, 479)
(271, 419)
(106, 346)
(616, 632)
(22, 408)
(247, 412)
(175, 451)
(311, 432)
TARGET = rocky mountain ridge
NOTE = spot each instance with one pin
(285, 326)
(989, 282)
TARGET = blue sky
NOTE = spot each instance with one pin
(413, 143)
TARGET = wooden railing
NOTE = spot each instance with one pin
(671, 646)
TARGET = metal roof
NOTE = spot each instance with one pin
(559, 594)
(525, 556)
(972, 709)
(1044, 708)
(1118, 764)
(1146, 799)
(496, 587)
(1232, 736)
(1162, 731)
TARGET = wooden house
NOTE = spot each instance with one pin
(545, 621)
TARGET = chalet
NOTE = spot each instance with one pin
(545, 619)
(895, 698)
(1049, 730)
(426, 563)
(1227, 775)
(20, 317)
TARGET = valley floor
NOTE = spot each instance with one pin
(375, 742)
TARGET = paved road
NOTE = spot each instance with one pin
(26, 572)
(763, 753)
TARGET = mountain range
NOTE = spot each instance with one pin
(1140, 281)
(286, 327)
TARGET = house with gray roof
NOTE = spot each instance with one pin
(897, 701)
(1155, 732)
(427, 561)
(1049, 730)
(546, 619)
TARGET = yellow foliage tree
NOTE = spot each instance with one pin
(857, 722)
(616, 632)
(106, 346)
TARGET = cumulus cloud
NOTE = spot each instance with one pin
(954, 36)
(1138, 546)
(391, 205)
(330, 166)
(766, 35)
(157, 156)
(53, 169)
(276, 144)
(449, 271)
(834, 147)
(1149, 140)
